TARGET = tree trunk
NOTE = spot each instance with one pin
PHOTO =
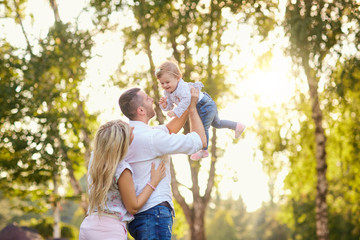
(154, 84)
(322, 230)
(198, 228)
(56, 211)
(195, 214)
(56, 216)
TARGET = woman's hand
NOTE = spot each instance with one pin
(126, 185)
(157, 174)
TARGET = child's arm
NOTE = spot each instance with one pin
(163, 102)
(185, 99)
(171, 114)
(166, 105)
(127, 188)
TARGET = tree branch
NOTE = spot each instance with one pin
(194, 168)
(22, 27)
(55, 10)
(211, 179)
(180, 199)
(159, 113)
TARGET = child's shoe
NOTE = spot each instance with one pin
(200, 154)
(239, 129)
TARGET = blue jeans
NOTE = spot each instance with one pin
(152, 224)
(208, 113)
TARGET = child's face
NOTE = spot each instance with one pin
(168, 82)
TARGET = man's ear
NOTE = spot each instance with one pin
(140, 111)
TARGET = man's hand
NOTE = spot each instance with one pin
(195, 121)
(194, 98)
(171, 114)
(163, 102)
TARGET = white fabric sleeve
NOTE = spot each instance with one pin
(163, 128)
(163, 143)
(120, 169)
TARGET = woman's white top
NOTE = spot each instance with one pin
(114, 204)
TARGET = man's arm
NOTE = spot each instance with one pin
(195, 121)
(176, 123)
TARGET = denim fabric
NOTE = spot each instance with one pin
(153, 224)
(208, 113)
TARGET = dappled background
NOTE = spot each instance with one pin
(288, 69)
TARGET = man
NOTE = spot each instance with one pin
(154, 220)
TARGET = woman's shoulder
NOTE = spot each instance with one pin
(124, 165)
(121, 167)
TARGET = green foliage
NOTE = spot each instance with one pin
(314, 27)
(304, 218)
(319, 31)
(266, 225)
(10, 9)
(228, 219)
(180, 228)
(8, 213)
(222, 220)
(344, 137)
(297, 144)
(192, 27)
(44, 121)
(104, 8)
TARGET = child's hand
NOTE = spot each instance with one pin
(163, 102)
(157, 174)
(171, 114)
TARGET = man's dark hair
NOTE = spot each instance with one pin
(129, 101)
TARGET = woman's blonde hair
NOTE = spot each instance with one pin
(110, 147)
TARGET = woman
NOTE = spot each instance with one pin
(112, 198)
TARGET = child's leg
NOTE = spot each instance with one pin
(218, 123)
(207, 114)
(237, 126)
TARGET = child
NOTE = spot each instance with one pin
(112, 199)
(177, 92)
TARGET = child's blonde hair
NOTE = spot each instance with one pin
(110, 147)
(169, 67)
